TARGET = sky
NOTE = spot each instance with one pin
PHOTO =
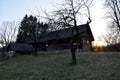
(15, 10)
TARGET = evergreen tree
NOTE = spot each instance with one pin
(24, 32)
(30, 30)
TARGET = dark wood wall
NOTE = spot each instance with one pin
(84, 43)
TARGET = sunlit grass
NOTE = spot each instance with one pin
(90, 66)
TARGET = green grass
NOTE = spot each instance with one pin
(90, 66)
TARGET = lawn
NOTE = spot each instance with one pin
(90, 66)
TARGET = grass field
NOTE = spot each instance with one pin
(90, 66)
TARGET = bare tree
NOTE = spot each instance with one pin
(68, 15)
(8, 34)
(113, 16)
(112, 35)
(114, 11)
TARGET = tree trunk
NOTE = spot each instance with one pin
(73, 55)
(72, 48)
(35, 50)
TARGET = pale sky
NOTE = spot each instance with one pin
(15, 10)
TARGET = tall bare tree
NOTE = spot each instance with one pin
(113, 15)
(68, 15)
(8, 34)
(114, 11)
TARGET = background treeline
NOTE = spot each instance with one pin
(112, 47)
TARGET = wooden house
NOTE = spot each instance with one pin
(60, 39)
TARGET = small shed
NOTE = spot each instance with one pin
(20, 48)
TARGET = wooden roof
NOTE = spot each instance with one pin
(20, 47)
(67, 33)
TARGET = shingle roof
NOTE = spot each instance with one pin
(20, 47)
(66, 33)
